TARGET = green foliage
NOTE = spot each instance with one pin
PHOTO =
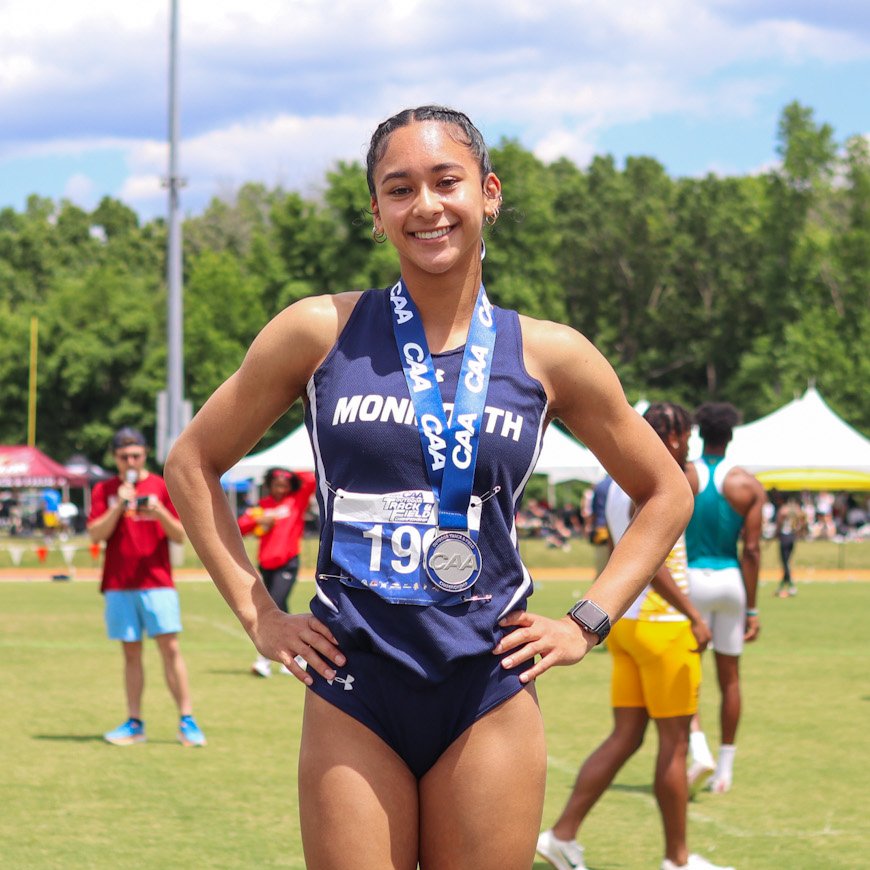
(743, 289)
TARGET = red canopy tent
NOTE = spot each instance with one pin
(22, 467)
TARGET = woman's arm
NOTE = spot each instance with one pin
(272, 376)
(584, 392)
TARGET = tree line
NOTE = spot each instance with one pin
(742, 289)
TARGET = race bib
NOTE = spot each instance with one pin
(379, 542)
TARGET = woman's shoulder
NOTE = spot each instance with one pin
(550, 346)
(314, 322)
(317, 312)
(576, 377)
(543, 334)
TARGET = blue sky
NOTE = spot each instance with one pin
(278, 90)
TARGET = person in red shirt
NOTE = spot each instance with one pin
(134, 515)
(279, 520)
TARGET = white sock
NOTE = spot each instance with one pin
(699, 749)
(725, 764)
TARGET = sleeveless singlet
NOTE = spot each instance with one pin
(375, 497)
(715, 527)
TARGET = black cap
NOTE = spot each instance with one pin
(127, 436)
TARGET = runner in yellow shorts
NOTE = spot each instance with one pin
(656, 675)
(655, 666)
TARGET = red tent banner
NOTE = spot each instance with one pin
(22, 467)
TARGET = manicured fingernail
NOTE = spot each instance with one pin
(524, 678)
(340, 661)
(330, 674)
(308, 681)
(508, 663)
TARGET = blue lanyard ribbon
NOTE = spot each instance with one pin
(449, 450)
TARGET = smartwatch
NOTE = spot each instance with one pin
(588, 615)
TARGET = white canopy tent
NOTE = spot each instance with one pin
(803, 445)
(293, 452)
(562, 458)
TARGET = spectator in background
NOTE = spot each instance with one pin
(50, 504)
(133, 513)
(278, 521)
(825, 528)
(67, 513)
(791, 524)
(599, 536)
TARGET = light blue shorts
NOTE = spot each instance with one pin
(128, 612)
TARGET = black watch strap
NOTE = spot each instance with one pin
(587, 614)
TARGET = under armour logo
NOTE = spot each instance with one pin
(347, 681)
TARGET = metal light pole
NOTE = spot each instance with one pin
(175, 405)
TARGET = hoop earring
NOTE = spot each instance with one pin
(379, 236)
(491, 218)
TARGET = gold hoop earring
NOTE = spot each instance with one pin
(379, 236)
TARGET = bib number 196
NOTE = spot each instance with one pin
(406, 546)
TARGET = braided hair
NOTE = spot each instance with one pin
(668, 418)
(465, 132)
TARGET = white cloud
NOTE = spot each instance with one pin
(81, 190)
(276, 90)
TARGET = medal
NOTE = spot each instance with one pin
(452, 561)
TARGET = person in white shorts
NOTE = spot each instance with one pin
(723, 585)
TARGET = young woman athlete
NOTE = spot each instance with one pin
(422, 740)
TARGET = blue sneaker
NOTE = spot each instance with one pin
(189, 733)
(132, 731)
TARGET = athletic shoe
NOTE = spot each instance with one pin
(695, 862)
(792, 590)
(562, 854)
(132, 731)
(189, 733)
(719, 785)
(698, 775)
(262, 668)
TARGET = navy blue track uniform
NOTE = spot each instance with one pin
(417, 674)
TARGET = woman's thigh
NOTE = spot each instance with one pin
(357, 799)
(481, 804)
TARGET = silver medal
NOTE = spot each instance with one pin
(452, 562)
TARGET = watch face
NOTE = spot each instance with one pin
(590, 615)
(592, 618)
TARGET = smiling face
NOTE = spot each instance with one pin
(430, 198)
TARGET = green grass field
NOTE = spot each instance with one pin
(71, 801)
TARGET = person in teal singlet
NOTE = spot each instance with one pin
(722, 582)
